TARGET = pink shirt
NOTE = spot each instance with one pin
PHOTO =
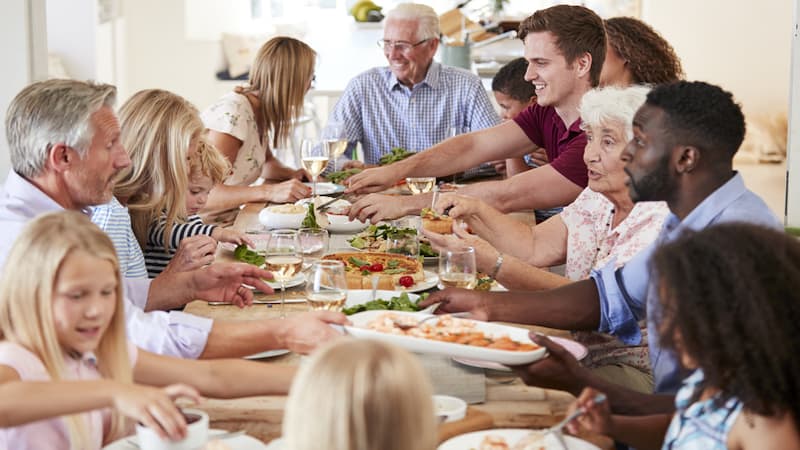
(51, 433)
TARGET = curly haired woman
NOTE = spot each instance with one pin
(636, 54)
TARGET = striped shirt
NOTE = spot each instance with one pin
(113, 218)
(156, 257)
(382, 113)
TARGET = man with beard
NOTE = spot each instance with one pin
(684, 140)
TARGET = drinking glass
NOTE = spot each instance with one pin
(326, 287)
(313, 244)
(314, 155)
(404, 242)
(283, 259)
(420, 185)
(336, 138)
(457, 268)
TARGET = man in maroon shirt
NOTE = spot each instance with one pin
(565, 48)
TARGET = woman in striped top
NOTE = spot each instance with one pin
(207, 167)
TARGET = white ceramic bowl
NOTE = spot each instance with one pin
(275, 217)
(196, 434)
(452, 408)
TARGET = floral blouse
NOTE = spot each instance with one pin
(592, 243)
(232, 114)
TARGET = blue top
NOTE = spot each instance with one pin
(700, 425)
(382, 113)
(627, 293)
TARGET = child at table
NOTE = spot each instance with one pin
(68, 377)
(360, 395)
(207, 167)
(729, 308)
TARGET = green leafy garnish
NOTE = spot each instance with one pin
(399, 303)
(244, 254)
(397, 154)
(341, 175)
(310, 220)
(358, 242)
(358, 262)
(426, 249)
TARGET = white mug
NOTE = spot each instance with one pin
(196, 434)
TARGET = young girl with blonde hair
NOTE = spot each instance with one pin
(360, 395)
(68, 377)
(245, 123)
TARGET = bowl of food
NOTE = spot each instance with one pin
(282, 216)
(450, 409)
(196, 434)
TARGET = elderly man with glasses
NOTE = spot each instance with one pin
(415, 102)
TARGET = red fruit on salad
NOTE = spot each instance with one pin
(406, 281)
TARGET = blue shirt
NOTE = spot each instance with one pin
(628, 295)
(382, 113)
(113, 218)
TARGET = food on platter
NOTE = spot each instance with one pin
(244, 254)
(288, 208)
(310, 220)
(397, 154)
(484, 282)
(374, 239)
(446, 329)
(282, 216)
(391, 269)
(435, 222)
(401, 302)
(535, 440)
(339, 176)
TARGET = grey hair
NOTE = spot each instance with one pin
(612, 105)
(52, 112)
(428, 27)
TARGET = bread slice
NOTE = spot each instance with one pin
(397, 265)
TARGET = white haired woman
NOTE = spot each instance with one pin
(602, 225)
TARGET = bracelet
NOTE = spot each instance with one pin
(497, 265)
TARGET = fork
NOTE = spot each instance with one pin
(556, 430)
(404, 326)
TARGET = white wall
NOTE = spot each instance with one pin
(24, 56)
(793, 163)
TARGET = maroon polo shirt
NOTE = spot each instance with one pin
(564, 146)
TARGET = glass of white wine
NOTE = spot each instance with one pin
(420, 185)
(457, 268)
(314, 156)
(334, 134)
(283, 259)
(313, 244)
(326, 288)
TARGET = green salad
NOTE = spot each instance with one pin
(244, 254)
(399, 303)
(397, 154)
(341, 175)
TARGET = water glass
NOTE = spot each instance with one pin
(457, 268)
(326, 288)
(313, 244)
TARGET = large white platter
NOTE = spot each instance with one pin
(511, 435)
(420, 345)
(243, 442)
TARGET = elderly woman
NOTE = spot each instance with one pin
(601, 225)
(246, 123)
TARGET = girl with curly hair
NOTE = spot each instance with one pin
(637, 54)
(730, 311)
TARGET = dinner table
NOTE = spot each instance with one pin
(506, 401)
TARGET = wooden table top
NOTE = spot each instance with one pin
(509, 402)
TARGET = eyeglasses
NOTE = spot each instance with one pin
(401, 46)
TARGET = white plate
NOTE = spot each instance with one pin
(325, 188)
(431, 280)
(296, 280)
(512, 436)
(578, 350)
(243, 442)
(340, 224)
(420, 345)
(268, 354)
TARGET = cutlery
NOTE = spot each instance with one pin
(326, 205)
(404, 326)
(218, 436)
(556, 430)
(263, 302)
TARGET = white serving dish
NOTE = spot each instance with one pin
(421, 345)
(271, 218)
(512, 436)
(339, 223)
(451, 408)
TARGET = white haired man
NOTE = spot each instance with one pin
(63, 137)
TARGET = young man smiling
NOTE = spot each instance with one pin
(565, 48)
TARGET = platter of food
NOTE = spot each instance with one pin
(578, 350)
(392, 270)
(513, 439)
(446, 335)
(359, 300)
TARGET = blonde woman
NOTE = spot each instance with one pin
(246, 123)
(380, 399)
(68, 377)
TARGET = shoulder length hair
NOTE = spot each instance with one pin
(158, 129)
(365, 395)
(26, 302)
(280, 76)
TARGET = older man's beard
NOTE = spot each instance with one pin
(654, 186)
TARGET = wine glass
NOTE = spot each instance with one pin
(336, 138)
(420, 185)
(283, 259)
(457, 268)
(313, 244)
(405, 240)
(327, 286)
(314, 156)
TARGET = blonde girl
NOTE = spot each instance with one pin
(246, 123)
(360, 395)
(68, 377)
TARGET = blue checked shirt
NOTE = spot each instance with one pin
(627, 294)
(382, 113)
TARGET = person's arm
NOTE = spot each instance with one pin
(274, 170)
(453, 155)
(540, 188)
(221, 378)
(754, 431)
(516, 166)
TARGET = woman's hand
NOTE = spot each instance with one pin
(596, 418)
(485, 254)
(154, 407)
(288, 191)
(222, 234)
